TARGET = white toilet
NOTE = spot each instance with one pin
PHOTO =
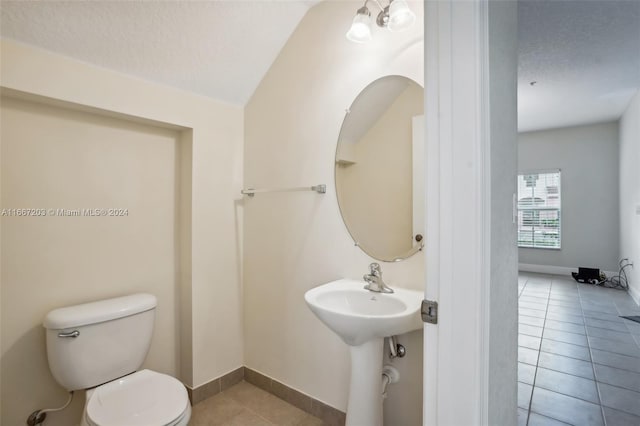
(99, 346)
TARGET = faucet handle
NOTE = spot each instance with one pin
(374, 269)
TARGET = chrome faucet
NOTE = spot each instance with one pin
(374, 280)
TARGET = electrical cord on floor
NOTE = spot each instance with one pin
(620, 281)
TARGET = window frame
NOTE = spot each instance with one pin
(537, 210)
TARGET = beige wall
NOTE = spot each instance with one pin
(372, 198)
(209, 228)
(297, 241)
(63, 159)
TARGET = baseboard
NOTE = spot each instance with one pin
(215, 386)
(330, 416)
(635, 295)
(553, 270)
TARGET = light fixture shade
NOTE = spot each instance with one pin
(400, 16)
(360, 31)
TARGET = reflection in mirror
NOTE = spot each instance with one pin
(379, 168)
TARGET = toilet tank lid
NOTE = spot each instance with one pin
(100, 311)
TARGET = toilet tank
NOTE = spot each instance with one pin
(97, 342)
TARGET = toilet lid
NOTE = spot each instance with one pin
(140, 399)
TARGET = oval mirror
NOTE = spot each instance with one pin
(379, 171)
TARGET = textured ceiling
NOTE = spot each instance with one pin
(219, 49)
(584, 57)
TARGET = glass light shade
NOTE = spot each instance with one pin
(400, 16)
(360, 31)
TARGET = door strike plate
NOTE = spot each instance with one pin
(429, 311)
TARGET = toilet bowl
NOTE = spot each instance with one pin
(142, 398)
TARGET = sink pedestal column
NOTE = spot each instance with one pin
(365, 391)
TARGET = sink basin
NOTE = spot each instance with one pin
(358, 315)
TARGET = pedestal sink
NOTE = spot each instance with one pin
(363, 319)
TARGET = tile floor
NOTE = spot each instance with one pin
(247, 405)
(578, 362)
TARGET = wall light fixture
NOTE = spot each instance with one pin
(396, 16)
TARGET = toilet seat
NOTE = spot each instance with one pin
(144, 398)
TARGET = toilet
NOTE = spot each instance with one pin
(100, 346)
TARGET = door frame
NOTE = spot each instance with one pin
(459, 386)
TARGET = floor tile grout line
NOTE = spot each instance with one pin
(567, 356)
(568, 343)
(258, 415)
(611, 366)
(611, 352)
(619, 387)
(526, 422)
(534, 309)
(595, 377)
(252, 411)
(535, 374)
(570, 396)
(618, 321)
(564, 372)
(549, 417)
(612, 329)
(608, 329)
(582, 377)
(531, 335)
(582, 346)
(631, 342)
(564, 331)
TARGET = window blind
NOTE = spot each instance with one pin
(539, 209)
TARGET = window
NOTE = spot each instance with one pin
(539, 210)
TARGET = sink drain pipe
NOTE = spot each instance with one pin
(389, 375)
(396, 350)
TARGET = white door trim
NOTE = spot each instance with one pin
(456, 351)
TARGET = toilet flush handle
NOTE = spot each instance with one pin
(74, 334)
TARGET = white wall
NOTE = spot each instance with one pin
(630, 192)
(209, 283)
(297, 241)
(503, 294)
(588, 158)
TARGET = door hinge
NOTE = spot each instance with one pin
(429, 311)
